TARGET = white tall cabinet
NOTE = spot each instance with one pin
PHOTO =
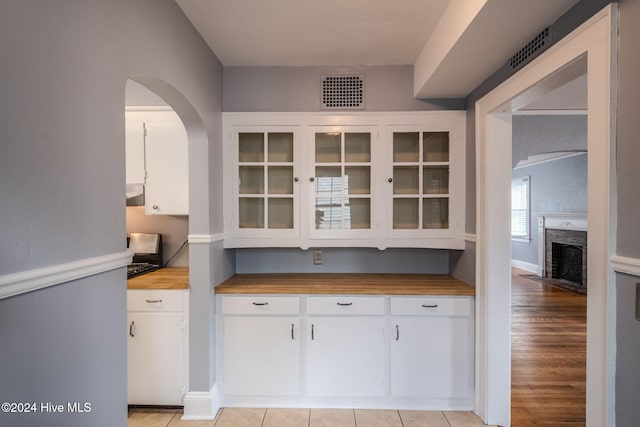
(158, 157)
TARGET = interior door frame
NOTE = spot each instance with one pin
(595, 42)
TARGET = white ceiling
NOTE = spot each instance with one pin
(454, 45)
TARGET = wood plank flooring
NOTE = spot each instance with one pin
(548, 354)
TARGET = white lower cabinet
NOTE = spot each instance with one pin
(379, 351)
(431, 344)
(156, 348)
(261, 356)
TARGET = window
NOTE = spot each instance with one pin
(520, 208)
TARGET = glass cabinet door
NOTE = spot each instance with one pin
(420, 180)
(342, 196)
(265, 180)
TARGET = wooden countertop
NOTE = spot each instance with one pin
(163, 278)
(345, 284)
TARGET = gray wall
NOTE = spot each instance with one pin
(62, 177)
(343, 260)
(387, 88)
(628, 206)
(555, 186)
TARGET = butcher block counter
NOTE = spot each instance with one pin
(345, 284)
(163, 278)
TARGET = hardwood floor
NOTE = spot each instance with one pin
(548, 361)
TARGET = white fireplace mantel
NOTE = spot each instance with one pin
(560, 221)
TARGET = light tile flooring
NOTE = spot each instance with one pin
(260, 417)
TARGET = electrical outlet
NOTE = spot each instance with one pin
(317, 257)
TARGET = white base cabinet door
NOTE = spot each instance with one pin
(154, 358)
(261, 356)
(345, 357)
(430, 357)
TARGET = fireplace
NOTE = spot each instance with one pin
(566, 254)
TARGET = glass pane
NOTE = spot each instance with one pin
(357, 147)
(280, 147)
(406, 146)
(357, 213)
(435, 180)
(329, 213)
(280, 179)
(251, 147)
(251, 212)
(251, 180)
(280, 214)
(328, 180)
(405, 213)
(435, 213)
(328, 147)
(358, 179)
(435, 146)
(406, 180)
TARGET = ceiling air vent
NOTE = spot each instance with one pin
(527, 53)
(342, 92)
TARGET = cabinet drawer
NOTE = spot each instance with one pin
(345, 305)
(434, 306)
(152, 300)
(260, 305)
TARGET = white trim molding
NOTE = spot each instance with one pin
(527, 266)
(201, 405)
(205, 239)
(468, 237)
(31, 280)
(627, 265)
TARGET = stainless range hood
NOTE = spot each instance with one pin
(135, 195)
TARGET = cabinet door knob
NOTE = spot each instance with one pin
(312, 179)
(155, 206)
(295, 179)
(390, 179)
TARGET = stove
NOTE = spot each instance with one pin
(147, 253)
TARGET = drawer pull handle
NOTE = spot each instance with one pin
(397, 333)
(154, 301)
(131, 330)
(260, 303)
(292, 337)
(430, 306)
(345, 304)
(312, 335)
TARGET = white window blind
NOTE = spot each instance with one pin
(520, 208)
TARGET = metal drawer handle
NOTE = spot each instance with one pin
(260, 303)
(131, 330)
(344, 304)
(292, 337)
(154, 301)
(312, 335)
(430, 306)
(397, 333)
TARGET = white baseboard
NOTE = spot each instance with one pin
(201, 405)
(533, 268)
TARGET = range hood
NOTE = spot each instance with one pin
(135, 194)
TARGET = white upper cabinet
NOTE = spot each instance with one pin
(158, 157)
(359, 179)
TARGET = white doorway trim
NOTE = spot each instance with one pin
(593, 42)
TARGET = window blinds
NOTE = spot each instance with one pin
(520, 207)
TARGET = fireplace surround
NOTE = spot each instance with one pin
(562, 252)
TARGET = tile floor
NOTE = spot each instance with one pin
(260, 417)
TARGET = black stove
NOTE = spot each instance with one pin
(147, 253)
